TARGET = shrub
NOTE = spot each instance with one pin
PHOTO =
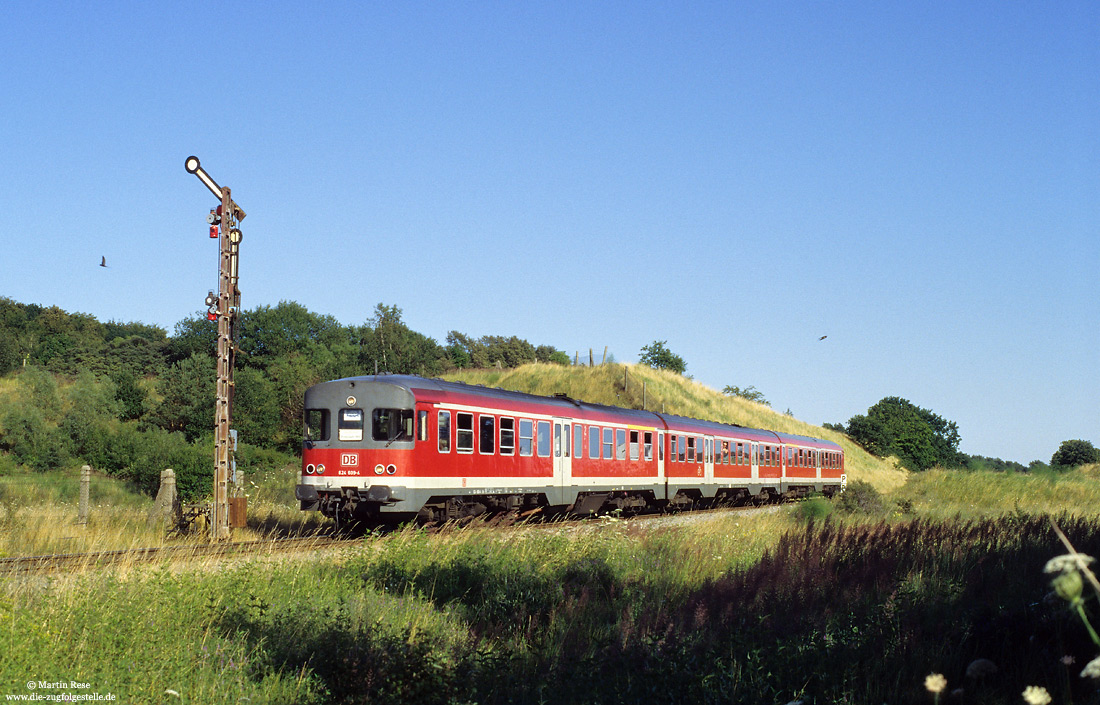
(861, 498)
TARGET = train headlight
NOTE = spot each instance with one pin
(310, 469)
(320, 469)
(379, 469)
(391, 469)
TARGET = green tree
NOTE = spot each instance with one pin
(658, 356)
(920, 438)
(1074, 453)
(187, 391)
(751, 393)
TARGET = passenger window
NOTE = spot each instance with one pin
(565, 440)
(544, 439)
(444, 432)
(683, 448)
(661, 447)
(350, 425)
(389, 424)
(608, 443)
(578, 441)
(487, 435)
(526, 437)
(422, 426)
(691, 449)
(507, 435)
(620, 444)
(648, 445)
(316, 425)
(464, 441)
(594, 442)
(634, 449)
(672, 448)
(557, 440)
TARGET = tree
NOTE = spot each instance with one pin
(920, 438)
(751, 393)
(1074, 453)
(658, 356)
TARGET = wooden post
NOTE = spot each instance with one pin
(85, 487)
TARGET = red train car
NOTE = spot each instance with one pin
(397, 447)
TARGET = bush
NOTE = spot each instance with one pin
(1074, 453)
(861, 498)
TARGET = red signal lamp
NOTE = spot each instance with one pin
(213, 232)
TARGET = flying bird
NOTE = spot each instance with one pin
(103, 262)
(823, 337)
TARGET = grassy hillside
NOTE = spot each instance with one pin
(622, 385)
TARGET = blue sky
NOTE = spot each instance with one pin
(917, 181)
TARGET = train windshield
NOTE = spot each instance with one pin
(392, 424)
(316, 425)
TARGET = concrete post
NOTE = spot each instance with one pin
(166, 504)
(85, 487)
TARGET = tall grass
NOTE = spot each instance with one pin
(621, 385)
(608, 613)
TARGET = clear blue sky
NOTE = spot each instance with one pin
(920, 182)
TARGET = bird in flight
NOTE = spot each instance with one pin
(103, 262)
(823, 337)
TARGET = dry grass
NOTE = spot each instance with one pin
(621, 385)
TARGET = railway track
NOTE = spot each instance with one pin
(103, 559)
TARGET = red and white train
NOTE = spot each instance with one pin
(396, 447)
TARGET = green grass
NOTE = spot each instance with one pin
(834, 612)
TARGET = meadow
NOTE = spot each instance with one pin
(823, 602)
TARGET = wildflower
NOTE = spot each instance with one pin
(1036, 695)
(1092, 670)
(171, 692)
(1068, 586)
(1069, 563)
(935, 683)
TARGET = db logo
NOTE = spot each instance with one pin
(349, 459)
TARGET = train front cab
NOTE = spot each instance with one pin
(357, 447)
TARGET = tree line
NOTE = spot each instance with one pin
(130, 399)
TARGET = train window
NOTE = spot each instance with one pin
(386, 424)
(608, 443)
(349, 427)
(557, 440)
(635, 451)
(709, 445)
(661, 447)
(507, 435)
(464, 432)
(544, 439)
(620, 444)
(683, 449)
(526, 437)
(648, 445)
(594, 442)
(486, 435)
(691, 449)
(444, 432)
(565, 434)
(672, 448)
(578, 441)
(316, 425)
(422, 426)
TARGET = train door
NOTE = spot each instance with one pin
(563, 466)
(756, 461)
(708, 458)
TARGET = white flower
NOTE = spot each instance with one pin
(172, 693)
(935, 683)
(1068, 563)
(1036, 695)
(1092, 670)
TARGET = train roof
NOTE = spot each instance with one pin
(443, 390)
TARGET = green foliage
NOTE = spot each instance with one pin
(187, 391)
(751, 393)
(1075, 453)
(920, 438)
(658, 356)
(861, 498)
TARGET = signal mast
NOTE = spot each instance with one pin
(224, 309)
